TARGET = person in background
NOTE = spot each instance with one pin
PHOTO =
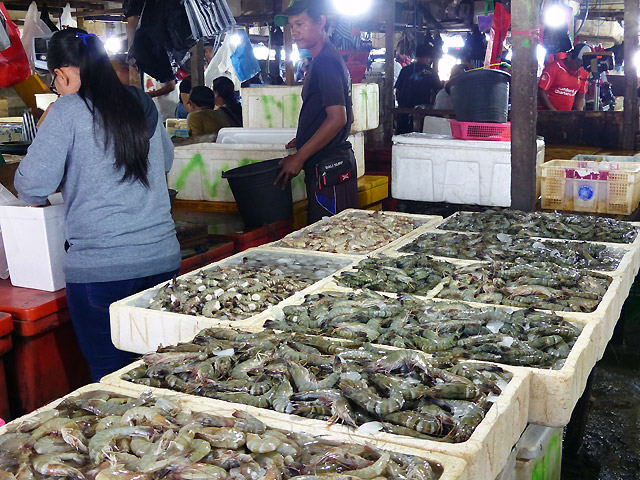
(103, 145)
(402, 53)
(564, 83)
(121, 67)
(417, 84)
(165, 95)
(210, 111)
(443, 99)
(208, 54)
(326, 115)
(184, 109)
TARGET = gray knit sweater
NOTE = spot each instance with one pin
(116, 230)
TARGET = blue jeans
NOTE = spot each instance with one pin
(89, 308)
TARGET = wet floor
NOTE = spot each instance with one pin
(611, 443)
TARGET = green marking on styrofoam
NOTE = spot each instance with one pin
(267, 101)
(196, 162)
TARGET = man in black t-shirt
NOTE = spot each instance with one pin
(417, 84)
(326, 116)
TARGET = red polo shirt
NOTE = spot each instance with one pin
(562, 84)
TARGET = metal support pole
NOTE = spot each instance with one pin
(630, 114)
(524, 110)
(289, 71)
(389, 62)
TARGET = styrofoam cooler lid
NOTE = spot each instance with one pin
(280, 136)
(436, 140)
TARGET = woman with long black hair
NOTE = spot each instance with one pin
(103, 145)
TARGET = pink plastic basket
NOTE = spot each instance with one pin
(481, 131)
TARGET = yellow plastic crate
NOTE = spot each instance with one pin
(204, 206)
(300, 214)
(375, 206)
(372, 189)
(591, 186)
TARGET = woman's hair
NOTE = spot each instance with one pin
(224, 87)
(112, 105)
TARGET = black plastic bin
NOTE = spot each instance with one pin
(260, 202)
(481, 96)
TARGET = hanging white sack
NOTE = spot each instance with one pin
(66, 20)
(33, 27)
(5, 41)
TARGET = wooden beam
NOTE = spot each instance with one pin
(389, 63)
(197, 64)
(524, 100)
(630, 121)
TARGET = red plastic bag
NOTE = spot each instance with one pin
(14, 65)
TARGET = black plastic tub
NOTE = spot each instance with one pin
(260, 202)
(481, 96)
(14, 148)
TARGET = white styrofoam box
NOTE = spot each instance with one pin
(275, 106)
(135, 328)
(43, 100)
(485, 453)
(419, 220)
(33, 240)
(281, 137)
(509, 470)
(451, 468)
(436, 125)
(279, 106)
(438, 168)
(197, 169)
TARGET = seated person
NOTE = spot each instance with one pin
(204, 119)
(443, 100)
(226, 101)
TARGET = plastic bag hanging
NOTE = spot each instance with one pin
(66, 20)
(209, 18)
(5, 41)
(163, 39)
(14, 65)
(243, 60)
(33, 27)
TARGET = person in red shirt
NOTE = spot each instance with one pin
(563, 84)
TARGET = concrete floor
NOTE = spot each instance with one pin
(611, 443)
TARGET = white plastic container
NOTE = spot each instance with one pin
(197, 169)
(279, 106)
(280, 137)
(539, 453)
(34, 244)
(438, 168)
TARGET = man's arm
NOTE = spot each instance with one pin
(579, 101)
(293, 164)
(166, 88)
(543, 96)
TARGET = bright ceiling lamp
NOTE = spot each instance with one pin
(236, 39)
(113, 45)
(352, 7)
(555, 16)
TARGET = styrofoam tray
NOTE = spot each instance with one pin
(420, 220)
(135, 328)
(485, 453)
(453, 468)
(626, 268)
(554, 393)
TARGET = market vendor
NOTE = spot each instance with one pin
(325, 118)
(103, 145)
(212, 110)
(564, 83)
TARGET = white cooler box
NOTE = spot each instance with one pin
(33, 240)
(282, 136)
(439, 168)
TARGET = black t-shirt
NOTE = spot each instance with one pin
(133, 7)
(415, 84)
(327, 83)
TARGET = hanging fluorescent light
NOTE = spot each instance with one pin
(113, 45)
(352, 7)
